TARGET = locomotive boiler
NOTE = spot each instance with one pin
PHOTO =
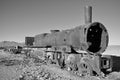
(78, 49)
(92, 38)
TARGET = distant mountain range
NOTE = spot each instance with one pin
(10, 43)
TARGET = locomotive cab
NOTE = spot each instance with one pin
(106, 64)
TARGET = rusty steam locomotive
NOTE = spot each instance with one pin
(78, 49)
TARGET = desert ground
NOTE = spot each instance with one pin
(22, 67)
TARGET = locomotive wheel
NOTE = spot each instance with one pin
(84, 69)
(49, 61)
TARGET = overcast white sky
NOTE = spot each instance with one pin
(20, 18)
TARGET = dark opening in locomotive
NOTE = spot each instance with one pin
(94, 35)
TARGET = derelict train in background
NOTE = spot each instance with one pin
(78, 49)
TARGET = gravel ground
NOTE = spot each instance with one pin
(20, 67)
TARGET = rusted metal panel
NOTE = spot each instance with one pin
(115, 63)
(29, 41)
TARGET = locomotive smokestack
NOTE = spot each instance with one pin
(88, 14)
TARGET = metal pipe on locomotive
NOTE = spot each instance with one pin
(78, 49)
